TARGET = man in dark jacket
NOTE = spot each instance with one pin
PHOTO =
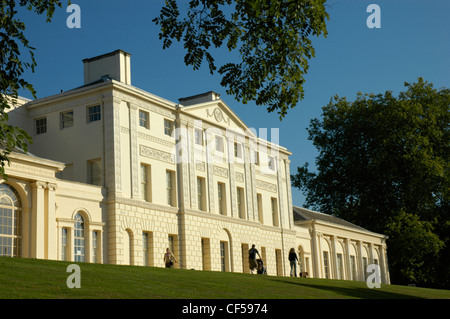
(252, 258)
(293, 260)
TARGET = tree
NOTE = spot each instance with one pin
(12, 68)
(383, 164)
(271, 36)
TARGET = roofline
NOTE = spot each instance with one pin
(105, 55)
(101, 85)
(357, 229)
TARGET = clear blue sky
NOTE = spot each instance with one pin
(413, 41)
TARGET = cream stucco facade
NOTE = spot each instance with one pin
(116, 175)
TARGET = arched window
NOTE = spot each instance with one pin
(79, 238)
(10, 222)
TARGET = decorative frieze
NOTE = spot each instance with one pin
(220, 171)
(266, 186)
(156, 154)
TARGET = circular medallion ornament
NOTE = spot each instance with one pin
(218, 115)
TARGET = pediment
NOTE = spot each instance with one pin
(218, 113)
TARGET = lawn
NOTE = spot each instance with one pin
(41, 279)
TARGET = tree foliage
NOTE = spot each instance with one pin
(383, 164)
(271, 36)
(13, 43)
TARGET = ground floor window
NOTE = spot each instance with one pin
(10, 222)
(79, 240)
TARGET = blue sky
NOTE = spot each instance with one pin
(413, 41)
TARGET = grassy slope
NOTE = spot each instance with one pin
(28, 278)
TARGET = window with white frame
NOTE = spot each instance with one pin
(274, 211)
(201, 196)
(10, 222)
(64, 244)
(352, 268)
(79, 240)
(237, 150)
(325, 264)
(168, 127)
(40, 125)
(95, 172)
(340, 266)
(144, 119)
(66, 119)
(221, 198)
(260, 208)
(240, 202)
(94, 113)
(95, 246)
(170, 187)
(198, 136)
(145, 183)
(219, 143)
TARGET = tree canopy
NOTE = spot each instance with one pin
(13, 43)
(383, 164)
(273, 38)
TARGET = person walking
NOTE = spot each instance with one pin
(169, 258)
(293, 260)
(252, 258)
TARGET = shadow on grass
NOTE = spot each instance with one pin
(354, 292)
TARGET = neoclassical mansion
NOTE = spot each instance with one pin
(116, 175)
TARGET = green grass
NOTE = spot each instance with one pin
(41, 279)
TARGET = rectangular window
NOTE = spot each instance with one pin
(95, 172)
(66, 119)
(40, 125)
(201, 193)
(145, 247)
(221, 198)
(240, 202)
(145, 183)
(256, 158)
(198, 136)
(94, 113)
(144, 119)
(170, 188)
(95, 241)
(260, 208)
(64, 244)
(237, 150)
(168, 127)
(274, 211)
(219, 143)
(340, 267)
(365, 267)
(325, 264)
(352, 268)
(223, 257)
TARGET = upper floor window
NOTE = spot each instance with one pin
(170, 188)
(221, 198)
(145, 183)
(198, 136)
(168, 127)
(94, 113)
(240, 202)
(201, 193)
(256, 158)
(40, 125)
(66, 119)
(219, 143)
(144, 119)
(95, 172)
(237, 150)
